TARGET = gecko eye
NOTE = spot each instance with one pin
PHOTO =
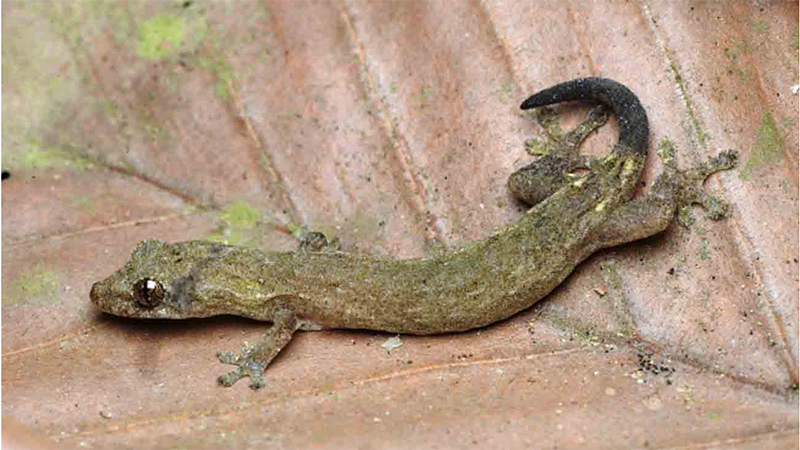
(148, 293)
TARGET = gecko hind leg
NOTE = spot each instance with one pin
(689, 183)
(253, 360)
(671, 198)
(559, 156)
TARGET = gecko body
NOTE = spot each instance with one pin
(470, 287)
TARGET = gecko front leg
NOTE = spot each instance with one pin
(253, 360)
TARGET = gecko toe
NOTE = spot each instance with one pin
(246, 366)
(227, 357)
(230, 378)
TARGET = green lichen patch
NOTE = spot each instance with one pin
(48, 158)
(221, 68)
(160, 36)
(241, 215)
(768, 148)
(506, 92)
(240, 219)
(167, 34)
(699, 132)
(37, 286)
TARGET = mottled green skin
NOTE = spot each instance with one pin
(474, 286)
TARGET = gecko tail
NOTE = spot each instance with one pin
(633, 128)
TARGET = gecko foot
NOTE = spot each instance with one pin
(596, 118)
(689, 183)
(559, 156)
(246, 366)
(254, 359)
(559, 140)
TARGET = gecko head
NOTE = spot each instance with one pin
(156, 283)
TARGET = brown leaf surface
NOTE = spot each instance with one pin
(394, 126)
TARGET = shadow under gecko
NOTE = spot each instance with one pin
(473, 286)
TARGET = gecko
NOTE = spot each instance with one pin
(572, 216)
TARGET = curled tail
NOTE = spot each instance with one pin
(633, 129)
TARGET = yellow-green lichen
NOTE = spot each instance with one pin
(36, 286)
(505, 92)
(219, 65)
(167, 34)
(241, 215)
(768, 148)
(160, 36)
(240, 219)
(700, 135)
(52, 158)
(704, 251)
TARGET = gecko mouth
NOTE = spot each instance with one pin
(99, 295)
(107, 299)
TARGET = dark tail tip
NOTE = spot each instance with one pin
(633, 128)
